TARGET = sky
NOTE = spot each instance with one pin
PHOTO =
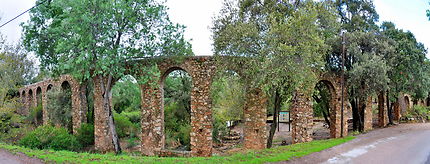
(197, 16)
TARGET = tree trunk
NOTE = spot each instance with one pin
(273, 127)
(355, 115)
(102, 105)
(390, 110)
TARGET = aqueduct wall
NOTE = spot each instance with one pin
(202, 70)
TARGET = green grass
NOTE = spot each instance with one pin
(281, 153)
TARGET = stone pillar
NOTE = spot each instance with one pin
(302, 118)
(255, 120)
(34, 97)
(79, 106)
(201, 111)
(44, 105)
(396, 111)
(382, 109)
(336, 112)
(152, 121)
(368, 114)
(102, 133)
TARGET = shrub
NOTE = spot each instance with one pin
(35, 116)
(133, 116)
(123, 125)
(85, 134)
(49, 137)
(60, 107)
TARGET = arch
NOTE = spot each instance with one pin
(24, 102)
(39, 95)
(49, 87)
(65, 85)
(407, 103)
(30, 98)
(185, 107)
(330, 116)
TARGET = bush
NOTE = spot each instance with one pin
(85, 134)
(123, 126)
(35, 116)
(134, 116)
(49, 137)
(60, 107)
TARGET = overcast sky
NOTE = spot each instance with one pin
(197, 16)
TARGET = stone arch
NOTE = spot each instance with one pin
(335, 128)
(48, 87)
(201, 70)
(162, 84)
(408, 103)
(38, 95)
(338, 127)
(255, 107)
(30, 102)
(23, 101)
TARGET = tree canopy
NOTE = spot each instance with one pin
(96, 39)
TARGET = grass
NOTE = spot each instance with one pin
(281, 153)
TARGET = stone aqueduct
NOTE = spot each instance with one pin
(202, 70)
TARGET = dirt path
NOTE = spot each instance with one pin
(405, 143)
(19, 158)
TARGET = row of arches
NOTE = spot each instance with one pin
(202, 71)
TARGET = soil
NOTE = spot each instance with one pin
(282, 137)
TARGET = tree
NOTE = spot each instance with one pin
(408, 73)
(16, 70)
(282, 42)
(95, 39)
(357, 15)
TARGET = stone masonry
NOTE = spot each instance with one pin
(202, 70)
(30, 93)
(368, 115)
(382, 110)
(333, 82)
(302, 118)
(255, 119)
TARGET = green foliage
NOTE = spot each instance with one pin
(15, 70)
(60, 107)
(134, 116)
(124, 127)
(219, 129)
(36, 115)
(177, 109)
(12, 125)
(177, 129)
(88, 39)
(85, 134)
(228, 94)
(132, 142)
(49, 137)
(277, 154)
(409, 73)
(322, 98)
(126, 95)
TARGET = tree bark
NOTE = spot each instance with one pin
(104, 85)
(390, 110)
(273, 126)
